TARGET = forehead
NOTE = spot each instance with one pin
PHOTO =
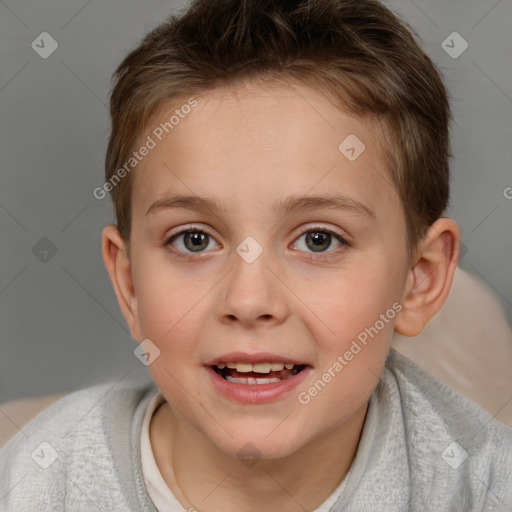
(244, 144)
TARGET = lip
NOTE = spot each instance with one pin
(256, 393)
(261, 357)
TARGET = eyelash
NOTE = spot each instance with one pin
(315, 229)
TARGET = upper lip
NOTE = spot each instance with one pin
(260, 357)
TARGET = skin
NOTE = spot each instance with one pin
(249, 147)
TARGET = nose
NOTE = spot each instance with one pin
(252, 294)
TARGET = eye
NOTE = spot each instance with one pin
(189, 241)
(318, 240)
(194, 240)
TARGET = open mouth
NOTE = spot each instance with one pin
(257, 373)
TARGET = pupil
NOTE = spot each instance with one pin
(197, 239)
(318, 239)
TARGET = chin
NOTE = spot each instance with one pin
(259, 444)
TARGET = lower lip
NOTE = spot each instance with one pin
(256, 393)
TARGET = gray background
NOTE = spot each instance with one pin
(61, 328)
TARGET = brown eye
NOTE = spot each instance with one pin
(318, 240)
(190, 241)
(195, 240)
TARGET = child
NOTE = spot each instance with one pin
(279, 172)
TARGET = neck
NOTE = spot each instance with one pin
(203, 477)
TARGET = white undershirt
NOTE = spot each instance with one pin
(158, 490)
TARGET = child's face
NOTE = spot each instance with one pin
(304, 298)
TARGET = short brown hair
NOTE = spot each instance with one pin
(357, 52)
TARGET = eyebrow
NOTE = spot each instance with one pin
(284, 206)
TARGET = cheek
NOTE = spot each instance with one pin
(351, 303)
(351, 361)
(358, 310)
(167, 306)
(169, 317)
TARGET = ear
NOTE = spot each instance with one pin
(120, 271)
(429, 280)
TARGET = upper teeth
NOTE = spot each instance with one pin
(256, 367)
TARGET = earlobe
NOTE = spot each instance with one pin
(429, 280)
(119, 269)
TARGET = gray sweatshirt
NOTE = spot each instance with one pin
(424, 447)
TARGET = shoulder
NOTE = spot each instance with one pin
(70, 445)
(445, 407)
(449, 436)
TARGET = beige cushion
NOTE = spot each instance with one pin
(17, 413)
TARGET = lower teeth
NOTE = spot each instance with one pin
(252, 380)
